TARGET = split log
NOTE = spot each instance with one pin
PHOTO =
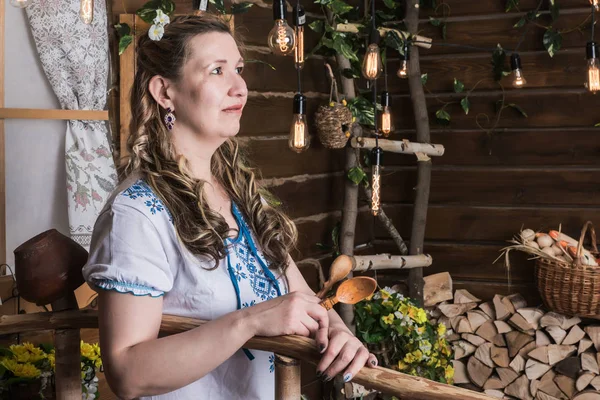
(477, 318)
(574, 335)
(595, 383)
(456, 320)
(589, 363)
(445, 321)
(464, 326)
(507, 375)
(502, 327)
(544, 396)
(452, 336)
(437, 288)
(519, 388)
(483, 354)
(421, 41)
(518, 364)
(473, 339)
(463, 296)
(570, 366)
(515, 341)
(460, 372)
(541, 338)
(502, 312)
(557, 333)
(488, 308)
(498, 394)
(531, 315)
(399, 146)
(557, 353)
(478, 372)
(499, 340)
(587, 395)
(462, 348)
(566, 385)
(535, 369)
(548, 376)
(499, 356)
(553, 319)
(519, 322)
(493, 382)
(584, 380)
(540, 354)
(584, 344)
(388, 261)
(533, 387)
(453, 310)
(570, 322)
(516, 300)
(526, 350)
(487, 331)
(549, 387)
(594, 334)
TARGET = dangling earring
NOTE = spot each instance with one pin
(169, 119)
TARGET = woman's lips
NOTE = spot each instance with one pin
(235, 109)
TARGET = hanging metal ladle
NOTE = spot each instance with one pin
(351, 291)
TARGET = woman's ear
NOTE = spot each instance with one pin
(158, 89)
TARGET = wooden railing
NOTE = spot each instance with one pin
(287, 371)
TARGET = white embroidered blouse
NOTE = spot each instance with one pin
(135, 250)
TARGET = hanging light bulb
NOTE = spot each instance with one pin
(386, 116)
(299, 136)
(403, 71)
(515, 64)
(372, 66)
(376, 155)
(593, 76)
(596, 4)
(19, 3)
(300, 20)
(86, 11)
(281, 39)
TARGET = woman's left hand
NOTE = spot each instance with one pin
(344, 352)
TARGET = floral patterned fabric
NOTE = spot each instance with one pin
(74, 57)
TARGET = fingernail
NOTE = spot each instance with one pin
(324, 378)
(322, 348)
(319, 374)
(374, 363)
(328, 378)
(347, 377)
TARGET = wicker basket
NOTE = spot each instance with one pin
(571, 289)
(333, 124)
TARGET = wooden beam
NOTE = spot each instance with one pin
(2, 153)
(126, 76)
(420, 41)
(34, 113)
(399, 146)
(388, 261)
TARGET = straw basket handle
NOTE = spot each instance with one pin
(582, 237)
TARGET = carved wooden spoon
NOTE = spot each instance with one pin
(340, 268)
(351, 291)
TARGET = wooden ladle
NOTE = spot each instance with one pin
(351, 291)
(340, 268)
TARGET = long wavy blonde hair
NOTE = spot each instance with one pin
(151, 153)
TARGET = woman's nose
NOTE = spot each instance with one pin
(238, 87)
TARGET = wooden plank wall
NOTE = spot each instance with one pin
(536, 171)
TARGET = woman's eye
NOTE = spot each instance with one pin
(216, 71)
(239, 70)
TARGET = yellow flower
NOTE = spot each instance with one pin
(27, 352)
(409, 358)
(401, 365)
(388, 319)
(421, 330)
(331, 104)
(52, 359)
(387, 303)
(441, 329)
(421, 316)
(344, 102)
(26, 370)
(384, 294)
(88, 351)
(449, 373)
(418, 355)
(368, 307)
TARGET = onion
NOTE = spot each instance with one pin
(545, 240)
(557, 250)
(527, 235)
(549, 251)
(532, 243)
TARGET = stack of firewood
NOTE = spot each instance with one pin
(509, 350)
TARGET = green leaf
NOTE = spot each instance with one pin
(348, 73)
(444, 25)
(442, 117)
(344, 48)
(434, 21)
(356, 175)
(423, 79)
(520, 23)
(362, 109)
(148, 11)
(511, 4)
(124, 42)
(498, 62)
(260, 62)
(317, 26)
(219, 5)
(597, 125)
(466, 105)
(518, 108)
(552, 41)
(554, 9)
(391, 4)
(122, 29)
(339, 7)
(167, 6)
(458, 86)
(240, 8)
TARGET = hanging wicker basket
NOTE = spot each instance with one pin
(571, 288)
(333, 120)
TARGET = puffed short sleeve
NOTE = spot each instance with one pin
(127, 254)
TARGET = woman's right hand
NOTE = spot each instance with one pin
(295, 313)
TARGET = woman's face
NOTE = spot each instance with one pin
(211, 94)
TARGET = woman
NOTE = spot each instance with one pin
(187, 233)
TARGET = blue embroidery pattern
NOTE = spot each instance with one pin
(272, 363)
(140, 190)
(249, 269)
(253, 302)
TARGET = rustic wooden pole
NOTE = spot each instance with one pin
(417, 236)
(399, 146)
(68, 354)
(113, 91)
(287, 378)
